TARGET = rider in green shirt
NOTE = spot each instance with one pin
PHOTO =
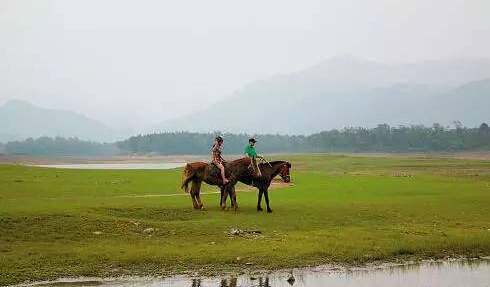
(249, 150)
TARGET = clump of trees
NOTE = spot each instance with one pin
(58, 146)
(382, 138)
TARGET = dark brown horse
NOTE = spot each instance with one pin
(262, 183)
(197, 172)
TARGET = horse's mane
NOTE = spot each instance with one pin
(272, 162)
(276, 161)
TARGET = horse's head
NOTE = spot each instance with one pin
(284, 172)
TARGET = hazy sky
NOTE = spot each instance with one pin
(137, 62)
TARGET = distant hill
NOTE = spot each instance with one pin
(20, 120)
(469, 103)
(347, 91)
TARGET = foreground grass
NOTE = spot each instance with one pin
(347, 210)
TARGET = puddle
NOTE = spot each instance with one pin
(167, 165)
(474, 273)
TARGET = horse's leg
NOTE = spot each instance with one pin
(199, 202)
(193, 195)
(259, 201)
(198, 195)
(223, 203)
(224, 196)
(230, 193)
(194, 202)
(266, 195)
(233, 198)
(222, 192)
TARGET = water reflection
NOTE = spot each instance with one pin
(232, 282)
(475, 273)
(264, 282)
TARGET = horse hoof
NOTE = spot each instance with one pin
(202, 207)
(269, 210)
(259, 209)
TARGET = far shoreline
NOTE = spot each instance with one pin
(158, 158)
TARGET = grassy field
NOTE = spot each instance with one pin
(339, 209)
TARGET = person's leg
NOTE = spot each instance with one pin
(256, 168)
(222, 168)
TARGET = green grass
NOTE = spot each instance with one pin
(340, 209)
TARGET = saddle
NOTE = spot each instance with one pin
(214, 170)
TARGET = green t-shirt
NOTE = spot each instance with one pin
(250, 151)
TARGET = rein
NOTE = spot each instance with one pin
(263, 159)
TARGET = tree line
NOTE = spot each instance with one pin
(58, 146)
(382, 138)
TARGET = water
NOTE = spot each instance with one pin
(430, 274)
(166, 165)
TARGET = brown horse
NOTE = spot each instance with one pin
(197, 172)
(262, 183)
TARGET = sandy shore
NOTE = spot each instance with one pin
(483, 155)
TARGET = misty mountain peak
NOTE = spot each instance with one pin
(346, 58)
(20, 120)
(342, 62)
(18, 104)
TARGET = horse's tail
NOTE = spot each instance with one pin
(187, 175)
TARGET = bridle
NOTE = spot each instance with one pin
(285, 177)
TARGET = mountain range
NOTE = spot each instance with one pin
(336, 93)
(20, 120)
(347, 91)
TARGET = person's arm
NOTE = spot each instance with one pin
(245, 151)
